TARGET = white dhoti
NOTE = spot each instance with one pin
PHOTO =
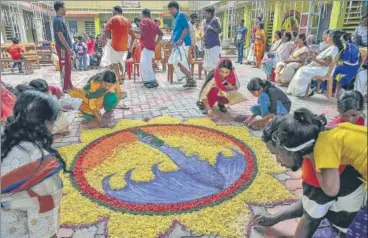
(361, 82)
(179, 55)
(111, 56)
(211, 58)
(145, 66)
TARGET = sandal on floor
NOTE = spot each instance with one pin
(200, 105)
(222, 108)
(152, 85)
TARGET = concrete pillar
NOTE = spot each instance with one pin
(39, 28)
(97, 24)
(277, 20)
(225, 26)
(21, 26)
(247, 22)
(337, 17)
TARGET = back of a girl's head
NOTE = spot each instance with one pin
(256, 84)
(272, 127)
(300, 127)
(21, 88)
(40, 85)
(226, 64)
(350, 100)
(109, 76)
(33, 107)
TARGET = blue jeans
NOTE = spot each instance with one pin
(262, 108)
(91, 60)
(19, 65)
(240, 49)
(82, 62)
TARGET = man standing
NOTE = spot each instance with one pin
(63, 45)
(193, 28)
(241, 35)
(212, 47)
(115, 51)
(181, 43)
(148, 32)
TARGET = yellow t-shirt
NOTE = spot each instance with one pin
(346, 144)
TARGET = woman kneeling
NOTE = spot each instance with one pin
(101, 91)
(220, 87)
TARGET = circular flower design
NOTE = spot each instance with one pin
(195, 184)
(142, 176)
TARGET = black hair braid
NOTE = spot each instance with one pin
(38, 134)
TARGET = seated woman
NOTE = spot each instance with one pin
(361, 79)
(31, 188)
(319, 66)
(347, 66)
(271, 102)
(220, 87)
(324, 43)
(285, 70)
(289, 138)
(269, 58)
(101, 91)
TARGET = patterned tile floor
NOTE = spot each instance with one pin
(174, 100)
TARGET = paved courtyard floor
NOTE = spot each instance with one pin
(174, 100)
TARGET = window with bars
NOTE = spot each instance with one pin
(73, 26)
(12, 31)
(90, 27)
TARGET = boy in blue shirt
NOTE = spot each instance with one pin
(181, 42)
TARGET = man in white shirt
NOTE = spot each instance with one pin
(192, 27)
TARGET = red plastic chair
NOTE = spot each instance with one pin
(133, 63)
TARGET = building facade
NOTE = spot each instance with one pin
(310, 17)
(32, 21)
(28, 21)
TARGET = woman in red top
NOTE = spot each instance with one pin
(15, 51)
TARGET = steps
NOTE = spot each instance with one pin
(352, 16)
(270, 27)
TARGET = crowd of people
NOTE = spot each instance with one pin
(334, 177)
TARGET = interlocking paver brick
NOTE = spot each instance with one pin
(174, 100)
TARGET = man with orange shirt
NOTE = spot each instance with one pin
(117, 47)
(15, 51)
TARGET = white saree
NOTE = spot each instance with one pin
(300, 81)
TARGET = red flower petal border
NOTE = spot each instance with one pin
(80, 182)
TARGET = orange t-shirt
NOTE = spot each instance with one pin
(120, 29)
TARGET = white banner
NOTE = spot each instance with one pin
(131, 4)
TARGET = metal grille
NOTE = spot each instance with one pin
(90, 27)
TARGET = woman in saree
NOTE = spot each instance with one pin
(220, 87)
(259, 44)
(318, 67)
(286, 69)
(345, 66)
(101, 91)
(31, 188)
(269, 58)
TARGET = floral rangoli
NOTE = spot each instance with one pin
(142, 176)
